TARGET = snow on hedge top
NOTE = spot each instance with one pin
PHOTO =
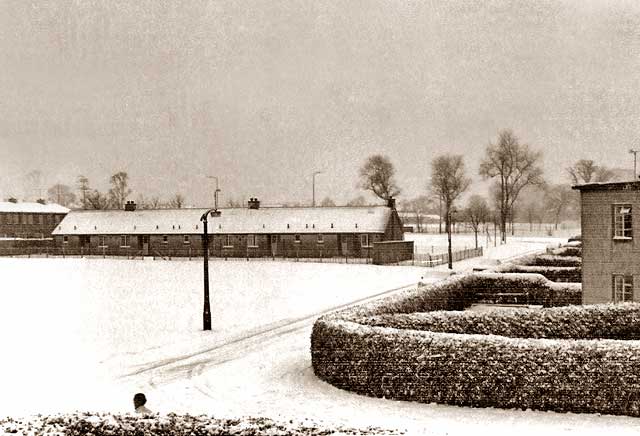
(27, 207)
(372, 219)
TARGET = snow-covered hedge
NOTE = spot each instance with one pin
(568, 251)
(550, 260)
(571, 274)
(571, 322)
(174, 425)
(561, 359)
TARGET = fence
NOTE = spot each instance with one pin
(329, 256)
(432, 260)
(429, 260)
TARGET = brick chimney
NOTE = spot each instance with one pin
(253, 203)
(391, 202)
(130, 206)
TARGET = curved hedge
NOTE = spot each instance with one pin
(571, 274)
(384, 349)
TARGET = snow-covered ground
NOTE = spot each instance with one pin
(86, 334)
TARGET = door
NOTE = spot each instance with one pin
(274, 245)
(144, 245)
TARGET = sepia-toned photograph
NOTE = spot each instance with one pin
(319, 217)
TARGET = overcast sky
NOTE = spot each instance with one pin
(263, 93)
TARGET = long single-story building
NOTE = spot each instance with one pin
(610, 253)
(29, 220)
(252, 231)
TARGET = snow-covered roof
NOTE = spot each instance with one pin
(27, 207)
(608, 186)
(371, 219)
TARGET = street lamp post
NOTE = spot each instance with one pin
(634, 152)
(206, 311)
(313, 198)
(215, 193)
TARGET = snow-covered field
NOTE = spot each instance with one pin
(73, 326)
(86, 334)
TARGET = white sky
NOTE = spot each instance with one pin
(262, 94)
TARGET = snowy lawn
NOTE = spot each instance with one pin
(70, 327)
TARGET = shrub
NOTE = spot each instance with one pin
(172, 424)
(561, 359)
(567, 251)
(569, 274)
(550, 260)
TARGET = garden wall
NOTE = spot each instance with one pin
(519, 360)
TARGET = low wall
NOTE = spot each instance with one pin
(392, 252)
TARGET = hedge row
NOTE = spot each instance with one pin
(571, 251)
(550, 260)
(375, 350)
(570, 274)
(478, 370)
(571, 322)
(81, 424)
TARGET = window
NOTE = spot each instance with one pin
(274, 239)
(622, 288)
(103, 242)
(186, 239)
(251, 241)
(40, 219)
(364, 241)
(124, 241)
(622, 221)
(165, 239)
(227, 241)
(65, 239)
(320, 238)
(296, 238)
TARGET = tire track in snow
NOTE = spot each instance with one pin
(192, 364)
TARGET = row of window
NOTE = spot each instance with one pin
(227, 240)
(28, 218)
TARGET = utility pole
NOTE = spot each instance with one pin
(206, 310)
(634, 152)
(313, 198)
(215, 193)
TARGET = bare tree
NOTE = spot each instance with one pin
(556, 199)
(97, 200)
(82, 184)
(234, 203)
(119, 189)
(327, 202)
(417, 208)
(61, 194)
(448, 181)
(477, 213)
(154, 203)
(515, 166)
(357, 201)
(586, 171)
(376, 175)
(177, 201)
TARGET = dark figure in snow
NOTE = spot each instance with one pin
(139, 401)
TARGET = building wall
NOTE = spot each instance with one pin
(28, 225)
(285, 245)
(602, 256)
